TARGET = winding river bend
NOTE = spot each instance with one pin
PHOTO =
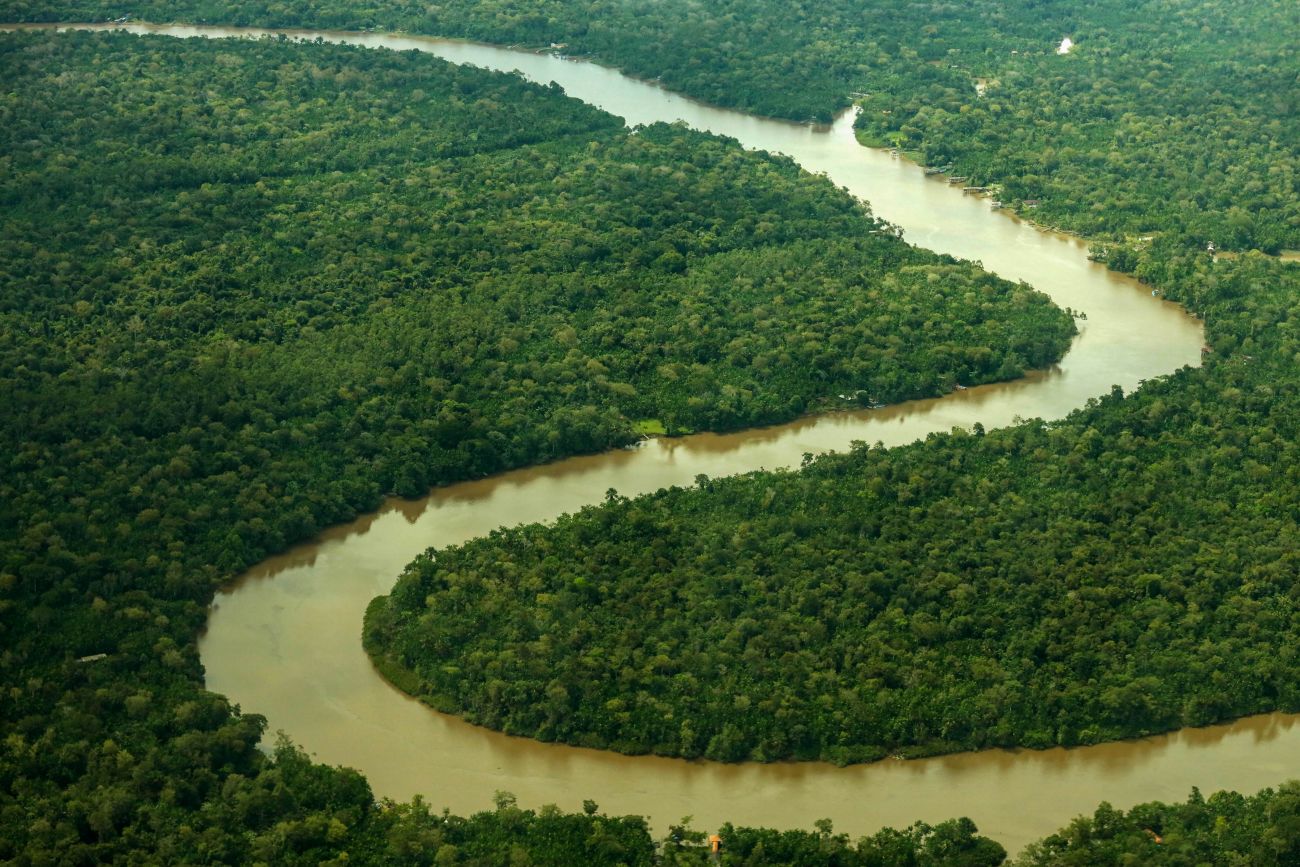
(284, 640)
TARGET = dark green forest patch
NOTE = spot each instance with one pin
(1223, 829)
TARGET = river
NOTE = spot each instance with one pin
(284, 639)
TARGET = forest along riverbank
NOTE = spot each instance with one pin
(284, 641)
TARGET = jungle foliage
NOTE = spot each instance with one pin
(126, 758)
(953, 843)
(1225, 829)
(247, 288)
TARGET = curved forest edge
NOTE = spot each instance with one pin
(250, 287)
(1156, 122)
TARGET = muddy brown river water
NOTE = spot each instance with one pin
(284, 639)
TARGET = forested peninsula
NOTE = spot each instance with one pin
(251, 287)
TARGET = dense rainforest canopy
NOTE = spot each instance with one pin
(1166, 114)
(1224, 829)
(249, 287)
(127, 758)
